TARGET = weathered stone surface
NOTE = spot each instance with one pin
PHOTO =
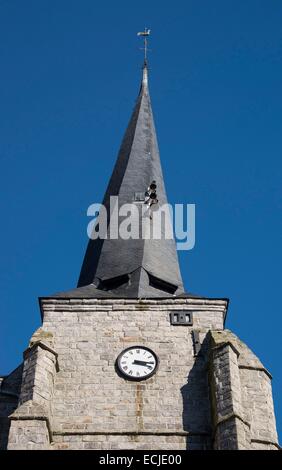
(136, 442)
(41, 335)
(28, 435)
(85, 404)
(241, 395)
(9, 396)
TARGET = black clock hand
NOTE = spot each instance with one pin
(141, 363)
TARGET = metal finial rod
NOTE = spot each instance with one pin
(145, 35)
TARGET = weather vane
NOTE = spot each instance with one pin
(145, 35)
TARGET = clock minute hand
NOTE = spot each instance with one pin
(142, 363)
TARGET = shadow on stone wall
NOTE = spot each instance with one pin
(9, 393)
(196, 414)
(4, 432)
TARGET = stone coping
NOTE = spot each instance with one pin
(49, 303)
(167, 301)
(44, 346)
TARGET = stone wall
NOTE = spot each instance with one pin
(128, 441)
(30, 423)
(258, 402)
(231, 430)
(9, 396)
(169, 410)
(241, 396)
(73, 398)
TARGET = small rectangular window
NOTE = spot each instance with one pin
(181, 318)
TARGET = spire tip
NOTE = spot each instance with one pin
(145, 35)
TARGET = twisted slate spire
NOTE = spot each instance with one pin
(135, 268)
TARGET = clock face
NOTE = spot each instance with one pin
(137, 363)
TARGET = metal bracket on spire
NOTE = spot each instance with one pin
(145, 35)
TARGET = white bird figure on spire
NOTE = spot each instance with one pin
(144, 33)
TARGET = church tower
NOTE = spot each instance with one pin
(128, 359)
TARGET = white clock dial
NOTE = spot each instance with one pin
(137, 363)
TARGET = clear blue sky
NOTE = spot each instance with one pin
(70, 73)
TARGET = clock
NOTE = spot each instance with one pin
(137, 363)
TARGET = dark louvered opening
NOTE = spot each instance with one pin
(114, 282)
(181, 318)
(160, 284)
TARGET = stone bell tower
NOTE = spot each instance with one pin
(128, 359)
